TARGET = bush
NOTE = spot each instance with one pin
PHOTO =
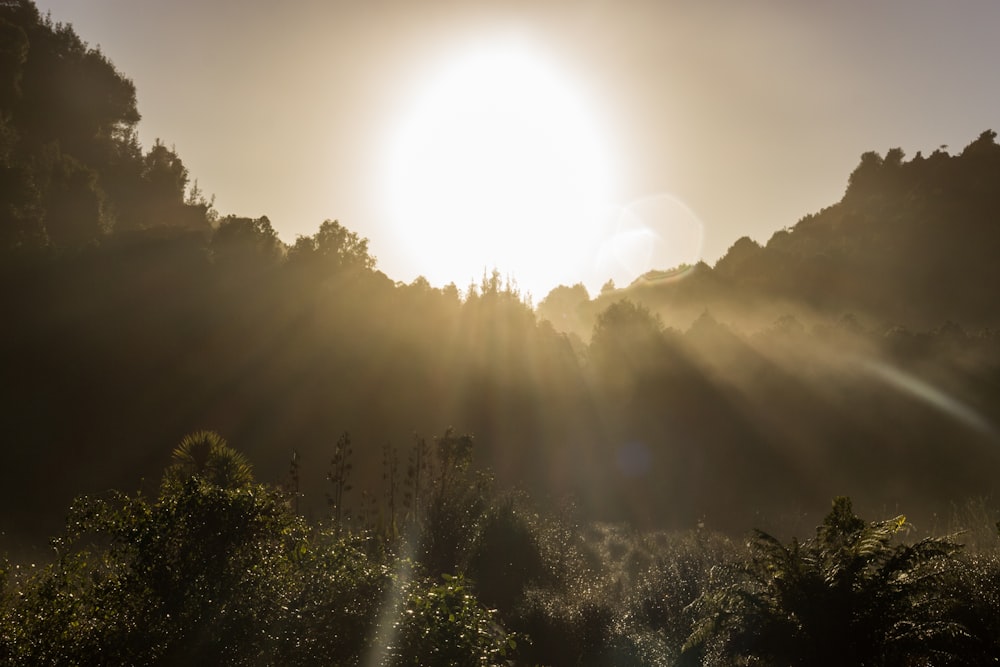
(848, 596)
(444, 624)
(216, 570)
(506, 556)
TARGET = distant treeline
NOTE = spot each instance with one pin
(850, 355)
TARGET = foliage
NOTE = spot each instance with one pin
(977, 585)
(333, 249)
(206, 455)
(624, 325)
(661, 609)
(70, 162)
(506, 557)
(246, 243)
(848, 596)
(216, 570)
(339, 476)
(444, 624)
(564, 307)
(623, 597)
(456, 502)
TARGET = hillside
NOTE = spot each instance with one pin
(848, 355)
(912, 243)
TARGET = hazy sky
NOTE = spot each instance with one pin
(743, 116)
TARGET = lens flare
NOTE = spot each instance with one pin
(657, 233)
(930, 395)
(634, 459)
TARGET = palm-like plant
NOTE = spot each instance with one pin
(851, 595)
(206, 455)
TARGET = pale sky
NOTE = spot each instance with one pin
(743, 115)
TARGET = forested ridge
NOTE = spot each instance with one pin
(618, 444)
(910, 244)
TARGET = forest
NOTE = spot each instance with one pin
(225, 449)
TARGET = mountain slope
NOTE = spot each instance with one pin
(911, 243)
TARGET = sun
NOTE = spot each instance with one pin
(499, 161)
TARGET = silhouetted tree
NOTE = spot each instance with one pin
(563, 307)
(627, 337)
(247, 243)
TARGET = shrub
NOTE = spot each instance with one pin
(216, 570)
(848, 596)
(444, 624)
(506, 556)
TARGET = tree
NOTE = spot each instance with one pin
(206, 455)
(342, 247)
(72, 202)
(627, 336)
(13, 55)
(893, 158)
(21, 224)
(455, 502)
(984, 145)
(71, 94)
(444, 624)
(250, 243)
(849, 596)
(740, 258)
(562, 306)
(864, 180)
(65, 115)
(166, 174)
(334, 249)
(215, 570)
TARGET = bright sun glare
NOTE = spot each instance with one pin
(499, 162)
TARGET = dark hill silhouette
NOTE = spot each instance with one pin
(911, 243)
